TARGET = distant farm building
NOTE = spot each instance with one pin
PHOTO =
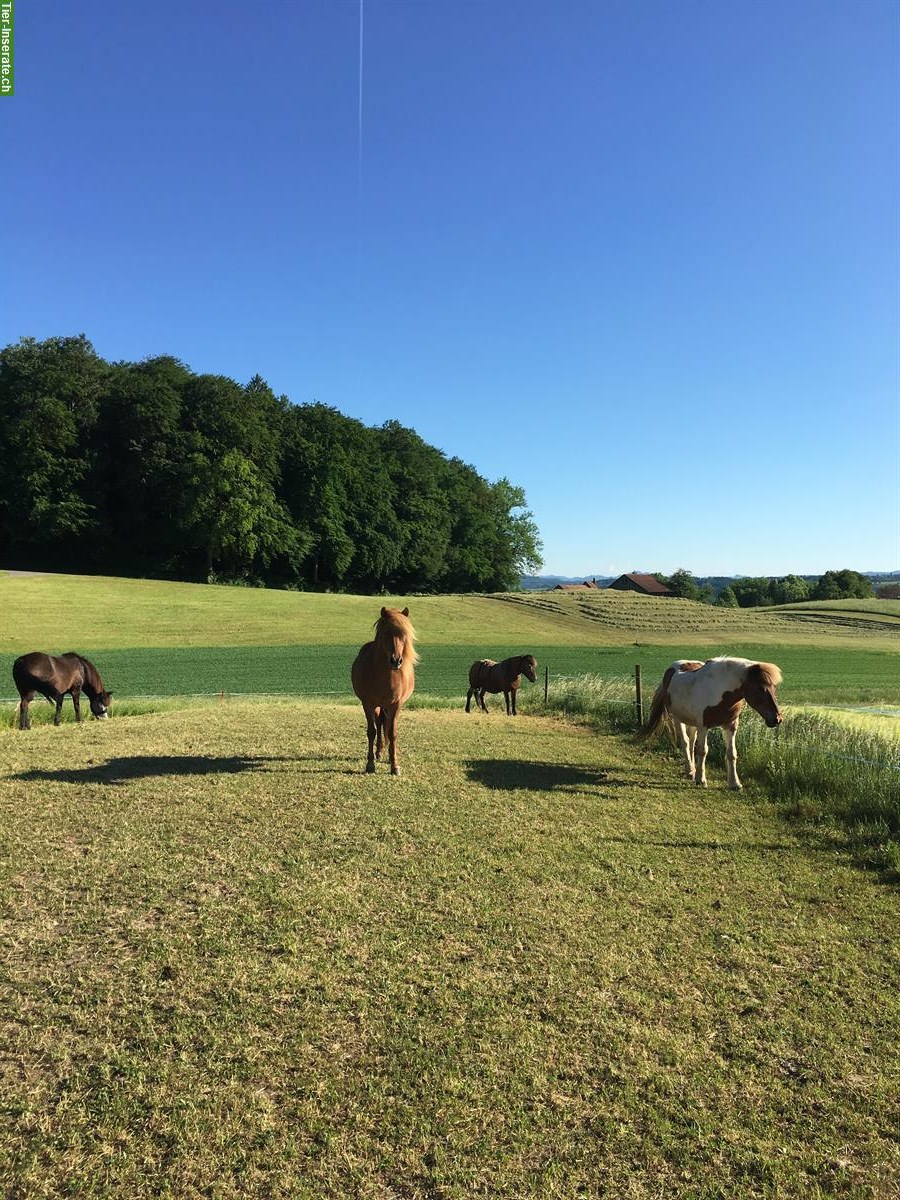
(577, 587)
(647, 585)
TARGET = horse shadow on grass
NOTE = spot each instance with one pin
(146, 766)
(514, 774)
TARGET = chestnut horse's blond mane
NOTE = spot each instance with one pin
(393, 621)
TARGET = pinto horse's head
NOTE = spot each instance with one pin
(759, 692)
(100, 705)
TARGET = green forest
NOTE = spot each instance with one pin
(148, 469)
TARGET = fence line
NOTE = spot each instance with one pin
(868, 762)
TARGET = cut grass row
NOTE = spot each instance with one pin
(536, 964)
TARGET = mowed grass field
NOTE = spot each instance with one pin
(537, 964)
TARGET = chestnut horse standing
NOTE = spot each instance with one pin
(695, 697)
(383, 678)
(489, 676)
(69, 674)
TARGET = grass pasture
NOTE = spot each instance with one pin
(537, 964)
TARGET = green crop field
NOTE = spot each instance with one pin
(153, 638)
(538, 964)
(811, 675)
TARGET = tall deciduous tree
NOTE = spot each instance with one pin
(48, 401)
(792, 589)
(147, 468)
(843, 585)
(238, 522)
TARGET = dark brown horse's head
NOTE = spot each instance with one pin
(759, 692)
(395, 634)
(99, 703)
(528, 666)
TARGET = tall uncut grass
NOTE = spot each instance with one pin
(820, 769)
(829, 771)
(608, 703)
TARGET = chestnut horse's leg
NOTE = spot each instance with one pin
(469, 698)
(731, 757)
(371, 731)
(479, 696)
(506, 696)
(512, 696)
(57, 716)
(391, 715)
(76, 702)
(379, 720)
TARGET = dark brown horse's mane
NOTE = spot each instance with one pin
(93, 685)
(393, 620)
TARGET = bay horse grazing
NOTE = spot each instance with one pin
(695, 696)
(55, 678)
(383, 678)
(489, 676)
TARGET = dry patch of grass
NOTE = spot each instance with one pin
(536, 964)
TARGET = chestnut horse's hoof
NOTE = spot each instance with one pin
(370, 768)
(395, 770)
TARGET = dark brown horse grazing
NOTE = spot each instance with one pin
(70, 674)
(383, 678)
(489, 676)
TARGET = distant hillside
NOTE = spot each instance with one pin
(538, 583)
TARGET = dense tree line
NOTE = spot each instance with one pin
(757, 592)
(149, 469)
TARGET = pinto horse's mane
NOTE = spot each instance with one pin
(393, 621)
(771, 675)
(769, 672)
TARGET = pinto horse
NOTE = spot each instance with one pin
(489, 676)
(383, 678)
(55, 678)
(695, 696)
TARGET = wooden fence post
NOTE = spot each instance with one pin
(546, 682)
(638, 698)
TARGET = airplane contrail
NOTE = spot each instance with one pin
(360, 117)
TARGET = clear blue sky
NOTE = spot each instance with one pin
(642, 258)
